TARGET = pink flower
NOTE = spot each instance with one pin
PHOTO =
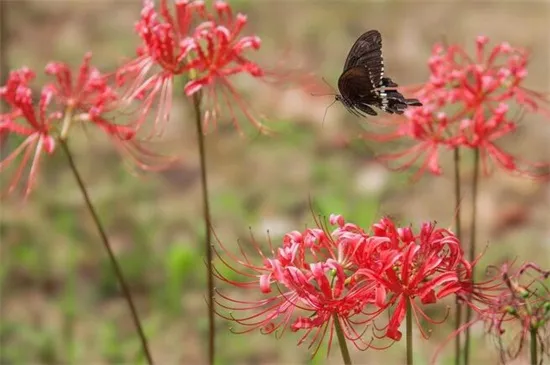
(510, 303)
(88, 96)
(307, 283)
(218, 54)
(163, 55)
(522, 306)
(466, 104)
(34, 125)
(422, 266)
(319, 276)
(204, 46)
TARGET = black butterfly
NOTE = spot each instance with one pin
(362, 83)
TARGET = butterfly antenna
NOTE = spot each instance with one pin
(326, 111)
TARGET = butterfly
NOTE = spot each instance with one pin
(362, 84)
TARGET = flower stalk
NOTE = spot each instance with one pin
(67, 121)
(533, 346)
(70, 306)
(341, 340)
(472, 252)
(408, 321)
(458, 232)
(107, 245)
(207, 225)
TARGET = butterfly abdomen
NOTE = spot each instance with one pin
(392, 101)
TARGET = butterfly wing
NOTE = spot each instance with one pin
(359, 93)
(367, 52)
(357, 90)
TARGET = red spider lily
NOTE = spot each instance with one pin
(511, 304)
(309, 283)
(33, 124)
(424, 266)
(522, 307)
(88, 97)
(466, 104)
(346, 274)
(218, 54)
(209, 53)
(162, 56)
(197, 43)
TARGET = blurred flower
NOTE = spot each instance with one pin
(87, 96)
(84, 97)
(206, 48)
(345, 274)
(166, 43)
(522, 307)
(218, 53)
(24, 120)
(208, 54)
(511, 303)
(466, 104)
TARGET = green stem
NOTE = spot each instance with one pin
(458, 229)
(107, 245)
(409, 323)
(472, 253)
(207, 226)
(533, 346)
(342, 340)
(70, 306)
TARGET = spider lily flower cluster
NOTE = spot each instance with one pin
(345, 274)
(466, 104)
(203, 45)
(83, 97)
(515, 309)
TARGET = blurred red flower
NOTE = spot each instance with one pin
(523, 306)
(204, 46)
(33, 124)
(88, 96)
(83, 97)
(207, 49)
(166, 42)
(218, 53)
(511, 304)
(466, 104)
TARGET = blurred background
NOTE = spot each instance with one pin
(60, 301)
